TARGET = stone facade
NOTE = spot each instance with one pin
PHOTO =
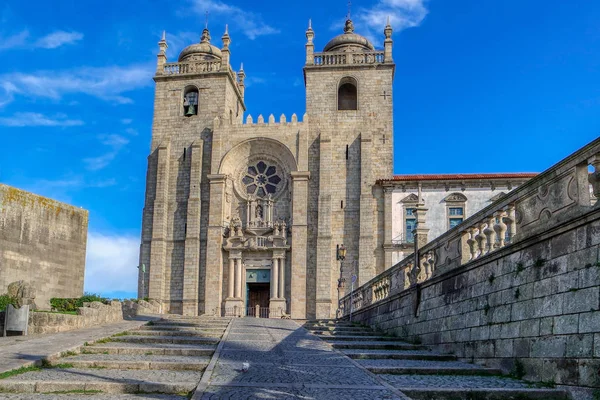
(517, 281)
(227, 201)
(43, 243)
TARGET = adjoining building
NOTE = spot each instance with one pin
(448, 198)
(243, 214)
(43, 243)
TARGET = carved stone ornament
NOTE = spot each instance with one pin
(456, 198)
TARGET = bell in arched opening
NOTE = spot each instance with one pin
(190, 102)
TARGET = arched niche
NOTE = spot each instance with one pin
(348, 94)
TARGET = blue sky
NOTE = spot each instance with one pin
(484, 85)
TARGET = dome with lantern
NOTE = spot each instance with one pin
(203, 51)
(348, 41)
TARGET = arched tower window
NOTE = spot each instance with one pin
(348, 94)
(190, 101)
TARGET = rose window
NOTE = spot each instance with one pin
(261, 179)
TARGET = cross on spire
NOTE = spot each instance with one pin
(349, 9)
(206, 20)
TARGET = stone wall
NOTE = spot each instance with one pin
(531, 298)
(91, 314)
(42, 242)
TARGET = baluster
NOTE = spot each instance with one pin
(472, 243)
(490, 234)
(480, 239)
(500, 228)
(511, 224)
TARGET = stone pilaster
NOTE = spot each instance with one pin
(388, 222)
(324, 249)
(156, 285)
(366, 260)
(299, 248)
(191, 267)
(214, 251)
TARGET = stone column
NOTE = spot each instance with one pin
(231, 279)
(299, 247)
(281, 278)
(238, 278)
(278, 301)
(275, 278)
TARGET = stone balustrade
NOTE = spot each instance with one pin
(191, 68)
(335, 59)
(561, 193)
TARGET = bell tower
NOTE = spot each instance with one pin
(190, 95)
(349, 105)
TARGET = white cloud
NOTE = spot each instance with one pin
(111, 262)
(126, 121)
(29, 119)
(115, 142)
(254, 80)
(14, 41)
(50, 41)
(177, 42)
(403, 14)
(108, 83)
(57, 39)
(249, 23)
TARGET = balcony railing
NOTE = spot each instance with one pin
(333, 59)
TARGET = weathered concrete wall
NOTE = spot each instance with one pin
(42, 242)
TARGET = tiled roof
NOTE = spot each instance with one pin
(458, 177)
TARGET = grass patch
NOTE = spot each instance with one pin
(121, 334)
(47, 364)
(19, 371)
(68, 354)
(150, 323)
(58, 312)
(75, 392)
(517, 293)
(518, 371)
(520, 268)
(546, 384)
(102, 341)
(491, 278)
(539, 262)
(486, 309)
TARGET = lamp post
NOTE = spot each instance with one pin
(340, 255)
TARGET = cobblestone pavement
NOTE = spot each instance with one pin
(286, 362)
(131, 364)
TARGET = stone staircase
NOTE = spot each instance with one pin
(421, 373)
(163, 360)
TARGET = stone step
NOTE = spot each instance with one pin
(164, 339)
(147, 332)
(343, 332)
(190, 323)
(426, 367)
(127, 361)
(485, 394)
(355, 338)
(381, 345)
(397, 355)
(96, 396)
(150, 349)
(471, 387)
(105, 380)
(180, 328)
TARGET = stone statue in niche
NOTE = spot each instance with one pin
(259, 212)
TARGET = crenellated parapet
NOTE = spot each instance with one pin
(260, 121)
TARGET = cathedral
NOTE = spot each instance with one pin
(277, 216)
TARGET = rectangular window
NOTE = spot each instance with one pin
(455, 211)
(455, 221)
(411, 223)
(409, 211)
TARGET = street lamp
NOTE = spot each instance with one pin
(340, 255)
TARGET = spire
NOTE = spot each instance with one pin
(225, 38)
(164, 36)
(310, 47)
(162, 53)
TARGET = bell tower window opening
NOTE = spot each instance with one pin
(190, 102)
(348, 95)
